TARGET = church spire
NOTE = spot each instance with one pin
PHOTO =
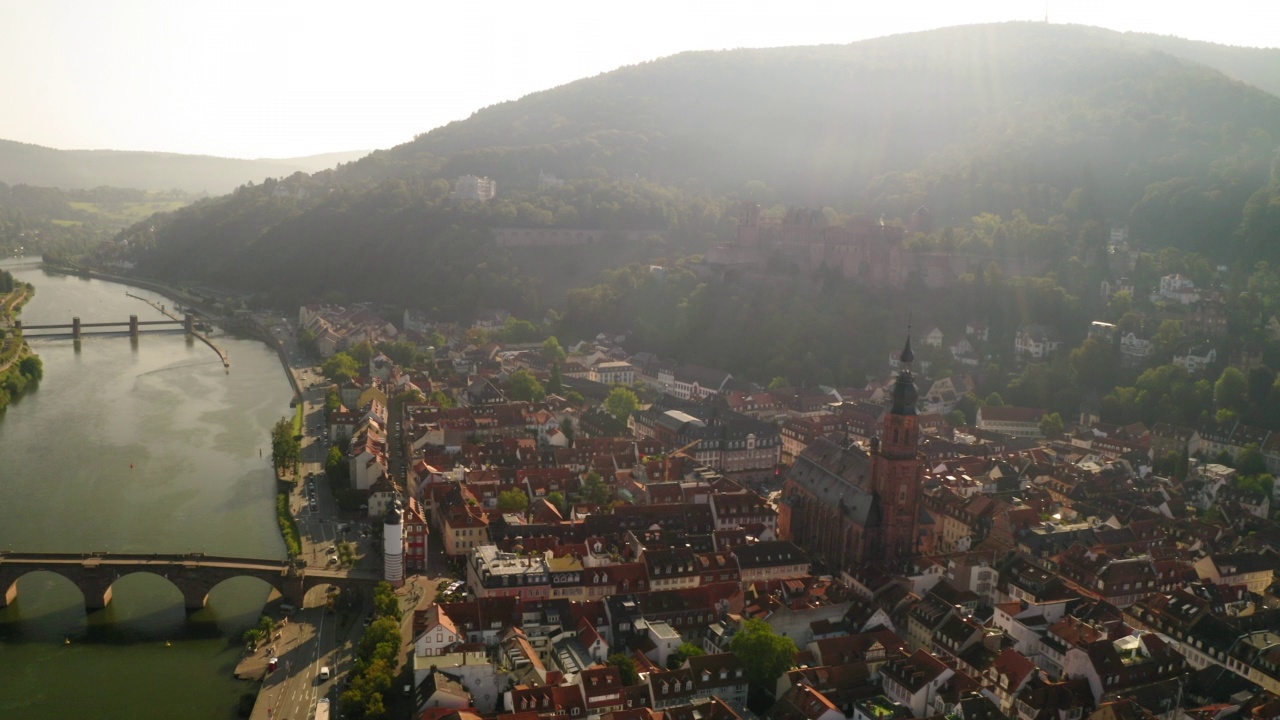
(907, 356)
(904, 391)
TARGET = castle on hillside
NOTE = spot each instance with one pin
(869, 251)
(850, 507)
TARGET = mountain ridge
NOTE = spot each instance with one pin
(1065, 125)
(31, 164)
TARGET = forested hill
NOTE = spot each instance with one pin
(1259, 67)
(1063, 124)
(21, 163)
(817, 124)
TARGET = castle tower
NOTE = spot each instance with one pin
(895, 475)
(393, 546)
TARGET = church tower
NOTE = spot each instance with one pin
(896, 475)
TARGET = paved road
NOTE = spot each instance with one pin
(313, 639)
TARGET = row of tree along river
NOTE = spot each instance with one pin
(146, 446)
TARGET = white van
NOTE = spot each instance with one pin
(324, 673)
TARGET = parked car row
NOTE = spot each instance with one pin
(311, 492)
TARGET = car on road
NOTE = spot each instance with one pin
(272, 664)
(331, 550)
(333, 561)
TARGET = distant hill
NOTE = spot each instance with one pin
(1259, 67)
(21, 163)
(818, 124)
(1067, 125)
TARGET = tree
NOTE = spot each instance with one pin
(336, 467)
(1166, 464)
(1094, 364)
(285, 448)
(1051, 425)
(362, 352)
(1231, 390)
(626, 668)
(621, 403)
(522, 385)
(552, 351)
(1119, 305)
(555, 384)
(1260, 381)
(557, 499)
(682, 653)
(567, 428)
(594, 490)
(1167, 339)
(513, 501)
(401, 352)
(307, 341)
(1260, 482)
(764, 653)
(968, 406)
(31, 367)
(779, 382)
(385, 603)
(340, 367)
(994, 400)
(518, 331)
(1251, 462)
(412, 395)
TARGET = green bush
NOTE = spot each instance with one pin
(288, 527)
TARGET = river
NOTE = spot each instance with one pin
(133, 447)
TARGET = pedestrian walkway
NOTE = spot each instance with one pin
(253, 666)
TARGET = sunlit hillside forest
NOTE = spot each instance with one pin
(40, 220)
(1022, 140)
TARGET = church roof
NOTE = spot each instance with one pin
(838, 477)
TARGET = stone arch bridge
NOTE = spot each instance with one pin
(194, 574)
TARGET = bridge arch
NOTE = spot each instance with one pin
(9, 581)
(272, 588)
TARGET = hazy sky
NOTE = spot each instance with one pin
(273, 78)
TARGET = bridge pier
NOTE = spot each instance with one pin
(189, 322)
(133, 326)
(194, 599)
(75, 328)
(96, 586)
